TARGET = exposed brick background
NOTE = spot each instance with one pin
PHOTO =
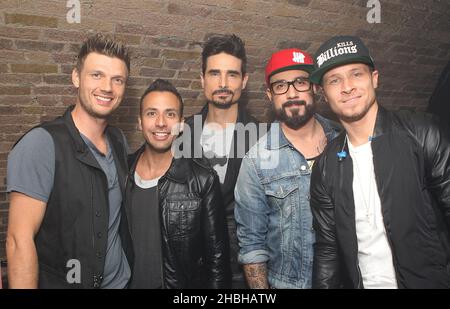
(38, 48)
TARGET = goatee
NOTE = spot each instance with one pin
(220, 105)
(223, 104)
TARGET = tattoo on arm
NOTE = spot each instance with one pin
(256, 275)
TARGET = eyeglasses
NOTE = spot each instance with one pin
(282, 86)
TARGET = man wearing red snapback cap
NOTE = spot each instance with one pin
(274, 221)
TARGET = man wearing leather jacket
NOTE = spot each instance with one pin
(380, 193)
(224, 130)
(174, 205)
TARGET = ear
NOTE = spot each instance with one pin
(269, 94)
(375, 79)
(202, 79)
(139, 123)
(75, 78)
(318, 90)
(244, 81)
(177, 128)
(182, 125)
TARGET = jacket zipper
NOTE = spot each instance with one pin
(394, 257)
(388, 235)
(359, 286)
(126, 202)
(161, 236)
(95, 276)
(93, 212)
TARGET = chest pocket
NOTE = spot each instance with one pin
(184, 216)
(280, 190)
(281, 186)
(283, 196)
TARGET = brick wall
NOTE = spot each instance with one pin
(38, 48)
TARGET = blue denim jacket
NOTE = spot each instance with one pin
(273, 216)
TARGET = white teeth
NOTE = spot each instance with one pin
(103, 99)
(161, 134)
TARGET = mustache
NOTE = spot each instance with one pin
(223, 91)
(293, 103)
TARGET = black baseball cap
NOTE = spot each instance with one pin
(338, 51)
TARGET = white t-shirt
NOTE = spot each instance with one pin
(216, 143)
(374, 251)
(144, 183)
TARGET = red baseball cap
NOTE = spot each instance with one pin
(289, 59)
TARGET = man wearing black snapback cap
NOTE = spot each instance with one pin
(380, 192)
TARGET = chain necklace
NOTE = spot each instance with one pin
(369, 211)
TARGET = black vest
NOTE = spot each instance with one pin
(75, 224)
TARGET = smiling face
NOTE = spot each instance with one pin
(160, 120)
(101, 84)
(223, 81)
(350, 91)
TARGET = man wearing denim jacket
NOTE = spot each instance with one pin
(273, 216)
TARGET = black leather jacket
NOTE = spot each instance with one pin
(411, 157)
(241, 145)
(194, 234)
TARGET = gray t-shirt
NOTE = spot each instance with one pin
(31, 169)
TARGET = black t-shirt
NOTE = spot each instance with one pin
(311, 162)
(146, 234)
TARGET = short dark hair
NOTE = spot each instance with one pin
(229, 44)
(105, 45)
(162, 85)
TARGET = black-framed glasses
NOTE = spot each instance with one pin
(282, 86)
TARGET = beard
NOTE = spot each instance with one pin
(352, 118)
(295, 121)
(356, 116)
(223, 104)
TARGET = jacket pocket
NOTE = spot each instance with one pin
(280, 189)
(283, 196)
(184, 217)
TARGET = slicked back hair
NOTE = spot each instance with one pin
(162, 85)
(229, 44)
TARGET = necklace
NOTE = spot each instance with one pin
(315, 147)
(369, 211)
